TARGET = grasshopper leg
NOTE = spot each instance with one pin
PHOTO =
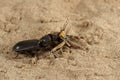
(58, 46)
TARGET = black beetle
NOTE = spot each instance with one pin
(46, 43)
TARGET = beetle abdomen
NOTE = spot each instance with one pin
(25, 45)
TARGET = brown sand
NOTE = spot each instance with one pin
(29, 19)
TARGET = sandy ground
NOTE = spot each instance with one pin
(29, 19)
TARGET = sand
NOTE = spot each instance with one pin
(95, 21)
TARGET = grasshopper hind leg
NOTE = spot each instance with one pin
(59, 46)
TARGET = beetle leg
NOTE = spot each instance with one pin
(34, 58)
(16, 56)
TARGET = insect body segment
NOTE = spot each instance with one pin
(49, 41)
(26, 45)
